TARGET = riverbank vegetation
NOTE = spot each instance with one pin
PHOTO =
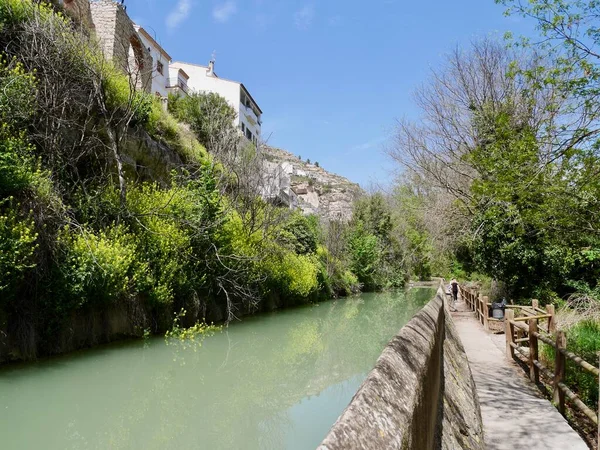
(503, 166)
(116, 213)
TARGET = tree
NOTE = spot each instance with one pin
(570, 45)
(209, 116)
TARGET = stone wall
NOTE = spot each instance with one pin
(420, 395)
(79, 10)
(121, 43)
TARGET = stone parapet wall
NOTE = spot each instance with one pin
(420, 395)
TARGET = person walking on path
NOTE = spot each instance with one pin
(454, 289)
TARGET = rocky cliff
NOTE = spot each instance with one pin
(311, 188)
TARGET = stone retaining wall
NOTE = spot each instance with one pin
(121, 43)
(420, 395)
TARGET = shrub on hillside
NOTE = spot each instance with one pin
(18, 243)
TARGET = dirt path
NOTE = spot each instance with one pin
(515, 415)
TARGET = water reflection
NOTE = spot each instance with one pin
(273, 381)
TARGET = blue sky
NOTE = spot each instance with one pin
(332, 76)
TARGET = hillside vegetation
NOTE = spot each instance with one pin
(117, 216)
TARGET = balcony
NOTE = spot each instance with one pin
(251, 116)
(177, 86)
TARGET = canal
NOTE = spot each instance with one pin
(273, 381)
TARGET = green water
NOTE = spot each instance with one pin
(275, 381)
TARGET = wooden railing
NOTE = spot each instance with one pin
(523, 333)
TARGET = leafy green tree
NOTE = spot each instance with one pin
(365, 257)
(301, 233)
(208, 114)
(571, 65)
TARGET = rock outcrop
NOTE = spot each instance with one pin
(309, 187)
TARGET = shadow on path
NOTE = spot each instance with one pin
(514, 413)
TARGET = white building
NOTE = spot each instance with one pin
(204, 79)
(178, 81)
(160, 63)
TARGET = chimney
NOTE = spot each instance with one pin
(211, 68)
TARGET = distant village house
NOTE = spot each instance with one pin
(140, 56)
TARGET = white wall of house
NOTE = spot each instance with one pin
(200, 80)
(160, 64)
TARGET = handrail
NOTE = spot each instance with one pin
(572, 356)
(527, 323)
(556, 379)
(526, 318)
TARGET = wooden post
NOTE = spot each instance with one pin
(486, 313)
(480, 309)
(509, 330)
(534, 373)
(535, 303)
(551, 320)
(558, 396)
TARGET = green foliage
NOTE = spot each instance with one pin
(375, 214)
(196, 333)
(121, 95)
(376, 253)
(300, 234)
(87, 248)
(163, 127)
(583, 339)
(334, 277)
(569, 37)
(525, 228)
(17, 166)
(98, 268)
(18, 243)
(289, 273)
(17, 94)
(365, 257)
(208, 114)
(14, 12)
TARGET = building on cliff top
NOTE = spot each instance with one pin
(204, 79)
(160, 63)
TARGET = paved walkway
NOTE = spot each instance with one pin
(515, 415)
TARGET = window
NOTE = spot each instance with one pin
(248, 134)
(160, 67)
(243, 127)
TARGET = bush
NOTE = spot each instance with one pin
(583, 339)
(208, 114)
(290, 274)
(17, 165)
(18, 242)
(300, 234)
(98, 267)
(163, 127)
(365, 258)
(334, 277)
